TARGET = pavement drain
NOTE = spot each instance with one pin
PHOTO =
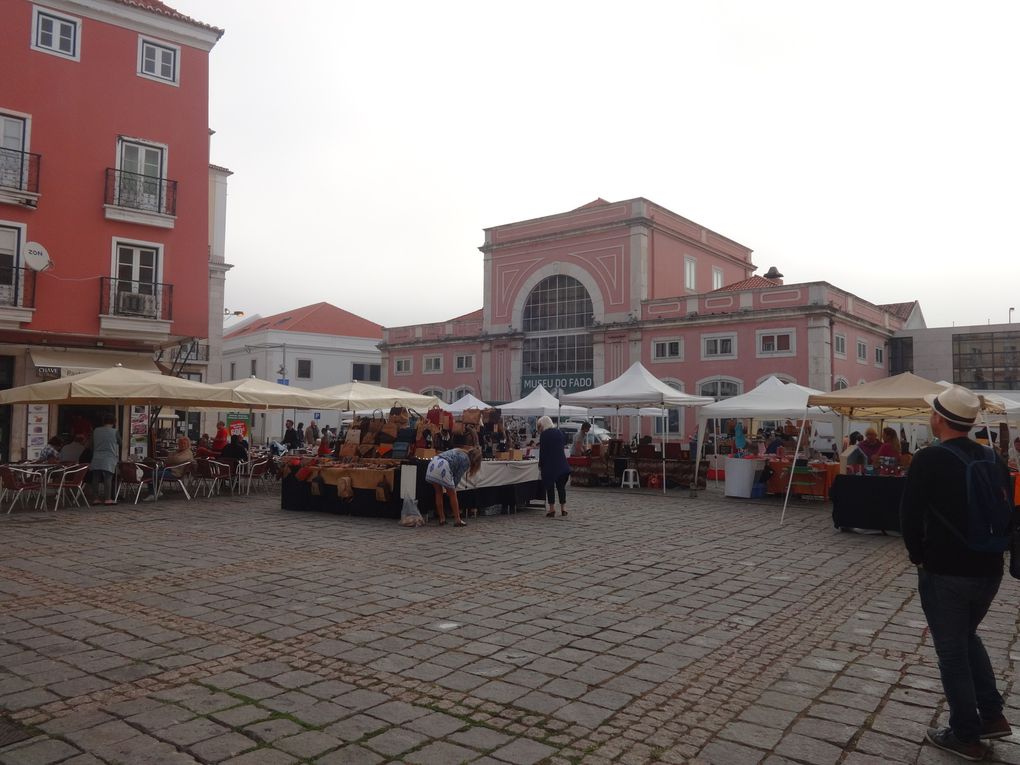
(12, 732)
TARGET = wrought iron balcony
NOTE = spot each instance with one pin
(19, 170)
(192, 352)
(141, 300)
(17, 287)
(135, 191)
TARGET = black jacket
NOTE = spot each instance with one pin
(290, 439)
(937, 481)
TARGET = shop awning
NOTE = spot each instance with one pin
(56, 362)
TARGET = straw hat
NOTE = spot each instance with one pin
(955, 404)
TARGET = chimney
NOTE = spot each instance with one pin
(773, 275)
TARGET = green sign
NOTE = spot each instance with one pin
(566, 383)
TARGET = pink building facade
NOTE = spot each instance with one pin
(570, 301)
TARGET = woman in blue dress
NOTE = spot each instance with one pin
(444, 473)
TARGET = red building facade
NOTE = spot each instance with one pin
(104, 162)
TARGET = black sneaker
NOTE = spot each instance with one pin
(944, 738)
(997, 728)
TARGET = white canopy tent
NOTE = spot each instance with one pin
(539, 403)
(772, 399)
(467, 401)
(636, 388)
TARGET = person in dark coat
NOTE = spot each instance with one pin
(290, 437)
(552, 464)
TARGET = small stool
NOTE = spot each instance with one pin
(630, 480)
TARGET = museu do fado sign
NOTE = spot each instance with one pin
(565, 383)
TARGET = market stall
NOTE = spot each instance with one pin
(872, 501)
(637, 387)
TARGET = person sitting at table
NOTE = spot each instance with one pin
(51, 452)
(581, 447)
(222, 437)
(235, 450)
(204, 447)
(870, 445)
(852, 459)
(890, 446)
(175, 465)
(73, 450)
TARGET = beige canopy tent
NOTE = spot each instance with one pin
(359, 395)
(891, 398)
(254, 393)
(119, 385)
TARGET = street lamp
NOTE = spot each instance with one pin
(228, 312)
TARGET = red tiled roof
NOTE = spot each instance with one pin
(900, 310)
(156, 6)
(320, 319)
(755, 282)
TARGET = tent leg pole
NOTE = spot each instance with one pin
(793, 466)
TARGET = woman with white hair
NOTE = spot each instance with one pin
(552, 464)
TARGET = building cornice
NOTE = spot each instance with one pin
(192, 34)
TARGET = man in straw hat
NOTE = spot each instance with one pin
(956, 584)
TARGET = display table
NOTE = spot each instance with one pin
(507, 484)
(814, 480)
(867, 502)
(741, 475)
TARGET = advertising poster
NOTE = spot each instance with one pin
(138, 446)
(239, 424)
(38, 428)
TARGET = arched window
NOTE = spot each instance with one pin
(558, 353)
(841, 384)
(779, 376)
(462, 391)
(719, 388)
(437, 392)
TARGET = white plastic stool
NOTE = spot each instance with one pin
(631, 479)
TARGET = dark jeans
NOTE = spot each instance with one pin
(560, 487)
(954, 607)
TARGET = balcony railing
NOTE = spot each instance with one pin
(17, 287)
(19, 170)
(142, 300)
(189, 353)
(135, 191)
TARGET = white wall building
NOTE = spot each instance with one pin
(311, 347)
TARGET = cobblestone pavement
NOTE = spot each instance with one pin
(640, 629)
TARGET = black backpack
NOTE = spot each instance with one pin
(989, 502)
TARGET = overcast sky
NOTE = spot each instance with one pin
(873, 145)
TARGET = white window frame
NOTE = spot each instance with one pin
(403, 359)
(837, 341)
(760, 334)
(159, 45)
(436, 362)
(840, 379)
(164, 152)
(667, 341)
(118, 241)
(468, 367)
(434, 390)
(297, 369)
(862, 358)
(705, 339)
(461, 391)
(879, 356)
(681, 411)
(717, 278)
(720, 378)
(690, 273)
(38, 11)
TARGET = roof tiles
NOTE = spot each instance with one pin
(319, 319)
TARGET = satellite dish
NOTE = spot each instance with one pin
(36, 257)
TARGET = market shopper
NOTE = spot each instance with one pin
(552, 464)
(581, 446)
(290, 437)
(444, 473)
(870, 445)
(890, 446)
(222, 437)
(105, 454)
(956, 583)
